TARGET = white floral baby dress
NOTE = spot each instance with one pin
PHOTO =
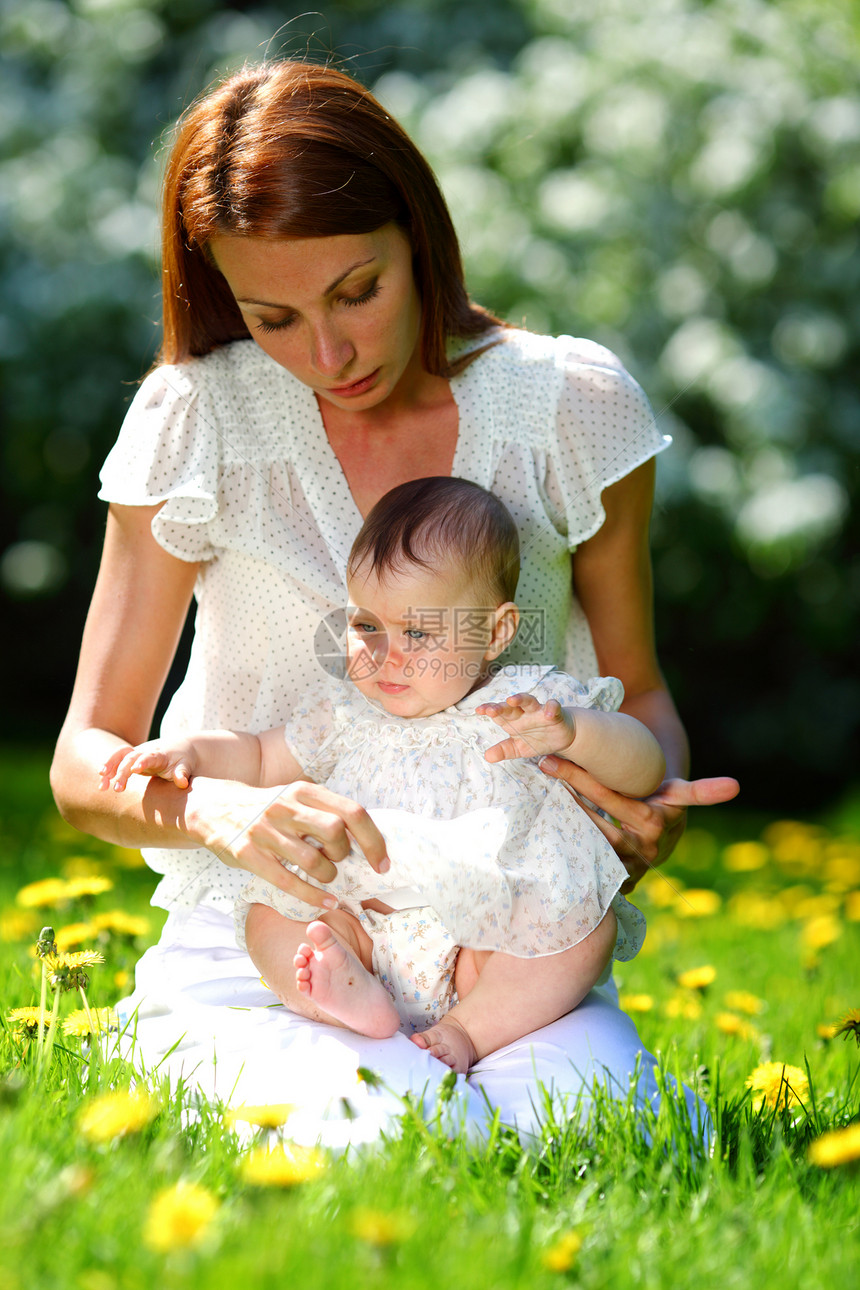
(503, 853)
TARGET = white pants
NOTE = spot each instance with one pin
(200, 1012)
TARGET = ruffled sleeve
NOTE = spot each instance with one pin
(312, 729)
(605, 693)
(168, 451)
(604, 428)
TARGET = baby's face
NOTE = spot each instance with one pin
(417, 641)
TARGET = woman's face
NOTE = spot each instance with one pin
(342, 314)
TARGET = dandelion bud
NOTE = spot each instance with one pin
(46, 944)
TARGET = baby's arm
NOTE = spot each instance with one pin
(616, 749)
(263, 761)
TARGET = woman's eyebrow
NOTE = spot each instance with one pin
(269, 304)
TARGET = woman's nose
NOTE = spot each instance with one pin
(331, 352)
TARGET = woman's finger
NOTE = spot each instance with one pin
(698, 792)
(274, 872)
(332, 820)
(629, 811)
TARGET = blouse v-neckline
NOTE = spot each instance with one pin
(324, 482)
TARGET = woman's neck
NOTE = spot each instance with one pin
(395, 442)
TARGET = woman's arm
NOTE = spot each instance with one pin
(613, 582)
(135, 619)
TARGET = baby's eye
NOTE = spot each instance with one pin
(364, 627)
(415, 634)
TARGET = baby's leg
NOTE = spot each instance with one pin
(504, 998)
(322, 969)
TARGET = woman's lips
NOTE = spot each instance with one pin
(356, 387)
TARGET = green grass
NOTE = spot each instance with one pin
(424, 1209)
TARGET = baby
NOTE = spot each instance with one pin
(500, 909)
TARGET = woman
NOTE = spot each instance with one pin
(320, 348)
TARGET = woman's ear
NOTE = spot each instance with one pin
(506, 620)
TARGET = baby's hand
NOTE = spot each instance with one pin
(156, 759)
(536, 728)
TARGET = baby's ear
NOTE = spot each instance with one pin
(506, 620)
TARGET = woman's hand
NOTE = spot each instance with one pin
(302, 823)
(646, 832)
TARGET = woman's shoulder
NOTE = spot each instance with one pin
(514, 347)
(237, 397)
(239, 363)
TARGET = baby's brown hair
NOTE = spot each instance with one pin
(427, 521)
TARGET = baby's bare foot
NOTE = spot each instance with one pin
(339, 984)
(448, 1041)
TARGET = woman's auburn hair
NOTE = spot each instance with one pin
(296, 149)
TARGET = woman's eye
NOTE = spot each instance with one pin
(276, 326)
(371, 291)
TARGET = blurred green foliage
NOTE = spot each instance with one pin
(680, 181)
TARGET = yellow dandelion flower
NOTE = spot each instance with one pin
(852, 906)
(790, 898)
(180, 1217)
(98, 1021)
(744, 1001)
(380, 1227)
(698, 902)
(756, 910)
(744, 857)
(800, 849)
(838, 1147)
(267, 1117)
(73, 934)
(121, 979)
(69, 971)
(788, 831)
(283, 1167)
(561, 1256)
(17, 925)
(850, 1024)
(88, 885)
(26, 1020)
(663, 893)
(817, 906)
(683, 1006)
(120, 923)
(43, 894)
(826, 1030)
(777, 1086)
(698, 978)
(636, 1002)
(74, 959)
(731, 1024)
(81, 867)
(115, 1115)
(820, 931)
(843, 869)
